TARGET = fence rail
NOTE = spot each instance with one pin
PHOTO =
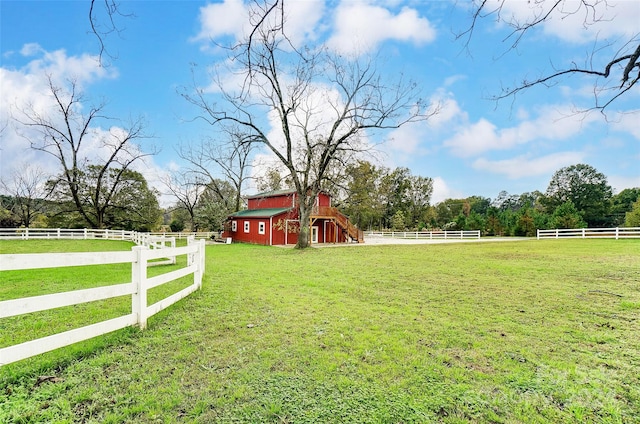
(139, 257)
(426, 235)
(617, 233)
(86, 233)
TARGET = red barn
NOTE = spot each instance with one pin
(272, 219)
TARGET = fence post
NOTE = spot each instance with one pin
(191, 257)
(617, 232)
(538, 233)
(139, 280)
(557, 233)
(199, 261)
(584, 233)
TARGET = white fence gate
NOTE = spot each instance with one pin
(140, 284)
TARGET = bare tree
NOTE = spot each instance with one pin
(614, 66)
(26, 186)
(187, 187)
(230, 157)
(70, 136)
(323, 106)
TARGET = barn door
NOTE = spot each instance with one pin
(314, 234)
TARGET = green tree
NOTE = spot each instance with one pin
(586, 188)
(493, 225)
(525, 225)
(395, 193)
(7, 218)
(363, 201)
(177, 225)
(397, 221)
(108, 198)
(567, 216)
(622, 203)
(632, 218)
(418, 196)
(448, 211)
(215, 205)
(475, 221)
(135, 205)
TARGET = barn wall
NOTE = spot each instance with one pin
(252, 236)
(279, 235)
(324, 199)
(284, 201)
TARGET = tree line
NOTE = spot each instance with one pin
(374, 197)
(577, 196)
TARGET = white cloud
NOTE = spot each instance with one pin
(219, 19)
(406, 141)
(441, 191)
(619, 183)
(448, 110)
(573, 21)
(449, 81)
(526, 166)
(359, 27)
(552, 123)
(28, 87)
(416, 138)
(628, 123)
(31, 49)
(233, 18)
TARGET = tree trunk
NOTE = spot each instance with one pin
(303, 235)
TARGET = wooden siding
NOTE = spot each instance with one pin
(280, 201)
(271, 233)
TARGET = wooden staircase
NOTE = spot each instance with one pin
(352, 232)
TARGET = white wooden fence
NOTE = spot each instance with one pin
(85, 233)
(139, 258)
(617, 233)
(426, 235)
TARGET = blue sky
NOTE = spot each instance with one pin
(474, 146)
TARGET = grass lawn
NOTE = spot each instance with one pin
(533, 331)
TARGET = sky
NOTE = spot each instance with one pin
(473, 146)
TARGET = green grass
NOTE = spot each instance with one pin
(19, 284)
(534, 331)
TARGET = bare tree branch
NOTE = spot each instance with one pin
(103, 23)
(601, 63)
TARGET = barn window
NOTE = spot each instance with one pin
(234, 226)
(261, 228)
(246, 226)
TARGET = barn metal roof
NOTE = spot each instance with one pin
(260, 213)
(272, 193)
